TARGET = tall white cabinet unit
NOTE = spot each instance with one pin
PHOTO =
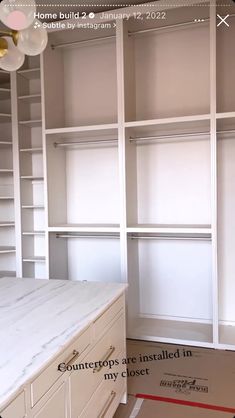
(137, 158)
(7, 208)
(225, 119)
(82, 157)
(168, 175)
(31, 172)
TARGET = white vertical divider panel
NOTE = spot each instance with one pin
(214, 170)
(122, 159)
(16, 175)
(121, 147)
(129, 252)
(44, 167)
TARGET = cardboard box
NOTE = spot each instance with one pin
(180, 382)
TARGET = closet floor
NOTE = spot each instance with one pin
(180, 382)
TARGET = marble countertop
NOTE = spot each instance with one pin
(38, 318)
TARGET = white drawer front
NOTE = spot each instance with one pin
(55, 407)
(84, 382)
(101, 324)
(106, 399)
(16, 409)
(51, 374)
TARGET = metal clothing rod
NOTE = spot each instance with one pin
(176, 136)
(192, 22)
(86, 236)
(157, 237)
(229, 131)
(145, 138)
(165, 27)
(69, 144)
(142, 138)
(65, 44)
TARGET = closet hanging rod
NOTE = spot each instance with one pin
(87, 236)
(86, 41)
(102, 38)
(69, 144)
(167, 237)
(176, 25)
(176, 136)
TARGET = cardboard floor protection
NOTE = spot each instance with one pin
(181, 382)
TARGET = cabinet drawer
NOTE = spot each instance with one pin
(16, 409)
(106, 399)
(51, 374)
(101, 324)
(55, 407)
(84, 382)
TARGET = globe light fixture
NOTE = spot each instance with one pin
(13, 58)
(18, 14)
(32, 41)
(24, 34)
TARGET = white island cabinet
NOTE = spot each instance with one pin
(61, 343)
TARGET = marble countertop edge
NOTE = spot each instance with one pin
(84, 324)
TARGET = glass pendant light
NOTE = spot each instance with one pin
(18, 14)
(13, 57)
(32, 41)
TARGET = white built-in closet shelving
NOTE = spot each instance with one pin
(126, 166)
(7, 207)
(28, 118)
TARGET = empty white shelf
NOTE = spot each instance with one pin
(31, 150)
(30, 98)
(35, 178)
(31, 123)
(6, 198)
(96, 228)
(7, 224)
(5, 117)
(174, 332)
(34, 259)
(166, 121)
(32, 233)
(32, 206)
(225, 115)
(30, 73)
(7, 249)
(170, 229)
(5, 144)
(108, 128)
(4, 93)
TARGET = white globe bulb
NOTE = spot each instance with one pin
(33, 41)
(19, 14)
(13, 58)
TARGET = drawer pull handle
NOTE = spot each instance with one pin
(107, 405)
(105, 358)
(73, 357)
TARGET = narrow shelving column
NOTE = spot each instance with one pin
(7, 218)
(31, 170)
